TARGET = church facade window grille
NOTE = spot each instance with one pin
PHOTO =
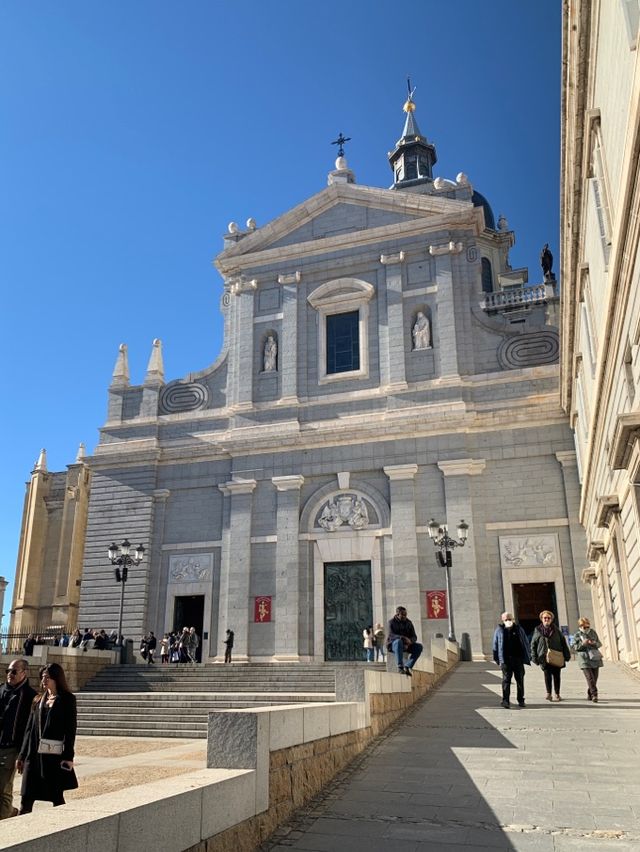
(343, 342)
(486, 275)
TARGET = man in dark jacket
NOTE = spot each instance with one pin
(401, 639)
(16, 697)
(511, 653)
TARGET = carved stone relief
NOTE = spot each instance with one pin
(529, 551)
(191, 569)
(346, 509)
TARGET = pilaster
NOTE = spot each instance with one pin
(446, 329)
(245, 344)
(464, 573)
(288, 362)
(583, 603)
(235, 566)
(287, 567)
(401, 576)
(391, 333)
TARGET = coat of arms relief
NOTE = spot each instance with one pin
(344, 509)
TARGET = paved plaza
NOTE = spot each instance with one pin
(462, 773)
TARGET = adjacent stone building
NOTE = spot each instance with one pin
(382, 364)
(601, 302)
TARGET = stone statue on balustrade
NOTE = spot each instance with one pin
(421, 332)
(546, 262)
(270, 355)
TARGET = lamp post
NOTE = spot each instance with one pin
(122, 559)
(439, 535)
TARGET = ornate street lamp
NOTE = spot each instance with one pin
(439, 535)
(122, 559)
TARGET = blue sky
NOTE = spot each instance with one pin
(133, 131)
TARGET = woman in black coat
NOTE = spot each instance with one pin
(546, 637)
(45, 777)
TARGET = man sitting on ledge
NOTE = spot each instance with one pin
(401, 639)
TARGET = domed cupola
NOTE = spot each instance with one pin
(413, 157)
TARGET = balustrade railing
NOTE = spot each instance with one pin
(516, 297)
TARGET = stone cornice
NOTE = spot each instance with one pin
(161, 494)
(401, 471)
(589, 575)
(567, 458)
(595, 550)
(625, 437)
(290, 278)
(392, 259)
(465, 219)
(445, 248)
(288, 483)
(238, 486)
(608, 505)
(462, 467)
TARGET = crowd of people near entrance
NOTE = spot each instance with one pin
(175, 647)
(548, 649)
(85, 639)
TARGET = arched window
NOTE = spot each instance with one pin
(487, 276)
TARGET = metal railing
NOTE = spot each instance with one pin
(14, 643)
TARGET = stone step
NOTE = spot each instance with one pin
(187, 700)
(186, 733)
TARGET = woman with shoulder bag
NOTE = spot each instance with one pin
(586, 644)
(550, 651)
(46, 757)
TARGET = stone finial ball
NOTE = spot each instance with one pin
(462, 179)
(439, 183)
(232, 227)
(251, 224)
(341, 164)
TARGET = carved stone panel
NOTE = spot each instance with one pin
(184, 568)
(529, 551)
(344, 509)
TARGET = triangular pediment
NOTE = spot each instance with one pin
(345, 209)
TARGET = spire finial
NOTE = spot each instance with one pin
(409, 105)
(80, 453)
(155, 367)
(41, 465)
(120, 376)
(340, 143)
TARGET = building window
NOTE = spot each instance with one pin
(487, 276)
(343, 346)
(342, 306)
(599, 186)
(631, 11)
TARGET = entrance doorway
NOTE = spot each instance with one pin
(188, 611)
(529, 599)
(348, 609)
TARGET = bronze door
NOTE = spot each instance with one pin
(348, 609)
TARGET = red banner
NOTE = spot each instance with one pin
(262, 609)
(437, 604)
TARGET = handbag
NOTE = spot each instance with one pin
(555, 658)
(594, 654)
(47, 746)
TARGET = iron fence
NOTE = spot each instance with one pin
(16, 642)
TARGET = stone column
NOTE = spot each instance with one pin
(288, 344)
(287, 568)
(446, 317)
(156, 614)
(465, 590)
(392, 332)
(582, 605)
(241, 354)
(235, 567)
(403, 581)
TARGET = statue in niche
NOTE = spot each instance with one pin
(270, 355)
(421, 332)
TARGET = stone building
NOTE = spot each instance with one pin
(601, 302)
(49, 569)
(382, 364)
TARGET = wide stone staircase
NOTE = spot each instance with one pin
(174, 700)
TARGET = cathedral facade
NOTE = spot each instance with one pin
(382, 365)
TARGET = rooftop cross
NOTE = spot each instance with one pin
(340, 142)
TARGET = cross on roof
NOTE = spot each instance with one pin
(340, 142)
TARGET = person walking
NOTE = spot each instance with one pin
(164, 649)
(550, 651)
(16, 697)
(511, 653)
(46, 756)
(401, 638)
(378, 635)
(586, 644)
(229, 643)
(367, 644)
(152, 644)
(194, 644)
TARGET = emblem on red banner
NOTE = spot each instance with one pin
(262, 609)
(437, 604)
